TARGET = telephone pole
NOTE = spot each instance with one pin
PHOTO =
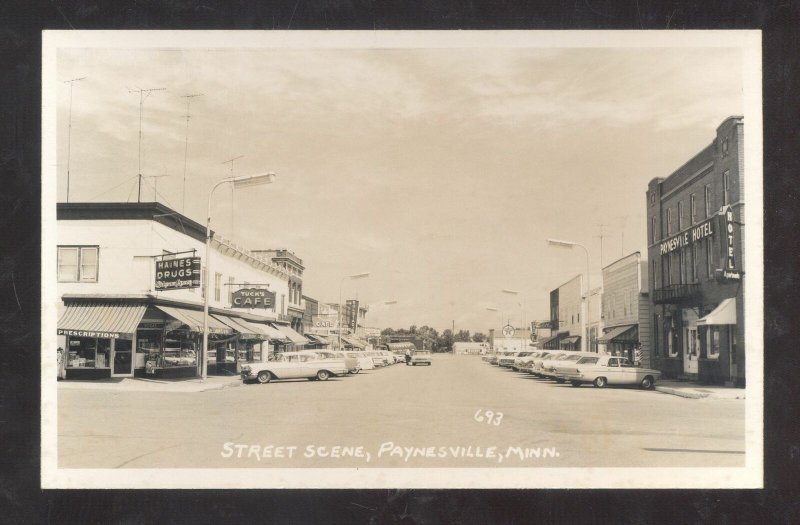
(143, 94)
(69, 128)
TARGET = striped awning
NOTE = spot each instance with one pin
(290, 334)
(571, 340)
(100, 319)
(319, 339)
(353, 342)
(240, 325)
(194, 320)
(616, 335)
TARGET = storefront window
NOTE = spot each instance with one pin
(148, 345)
(713, 342)
(180, 349)
(671, 342)
(88, 352)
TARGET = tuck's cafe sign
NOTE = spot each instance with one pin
(252, 298)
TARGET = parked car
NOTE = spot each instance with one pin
(378, 359)
(526, 363)
(520, 359)
(550, 366)
(610, 370)
(350, 360)
(538, 361)
(294, 365)
(421, 357)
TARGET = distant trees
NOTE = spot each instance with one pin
(479, 337)
(432, 339)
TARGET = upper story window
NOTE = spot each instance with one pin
(78, 264)
(217, 285)
(669, 221)
(652, 197)
(693, 207)
(708, 200)
(725, 148)
(653, 230)
(726, 188)
(680, 215)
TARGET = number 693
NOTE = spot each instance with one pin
(488, 416)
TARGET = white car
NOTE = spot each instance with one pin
(550, 367)
(294, 365)
(521, 359)
(610, 370)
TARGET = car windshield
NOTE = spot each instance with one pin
(587, 360)
(573, 358)
(422, 353)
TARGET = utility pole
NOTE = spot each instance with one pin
(142, 97)
(69, 128)
(186, 147)
(622, 229)
(232, 194)
(601, 245)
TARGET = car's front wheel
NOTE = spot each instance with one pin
(600, 382)
(323, 375)
(648, 383)
(264, 377)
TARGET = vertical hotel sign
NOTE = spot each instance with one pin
(730, 272)
(175, 274)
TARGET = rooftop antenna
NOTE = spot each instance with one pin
(186, 146)
(622, 229)
(601, 244)
(232, 186)
(143, 94)
(69, 128)
(155, 184)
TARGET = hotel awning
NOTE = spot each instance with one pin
(194, 320)
(290, 334)
(552, 338)
(571, 340)
(724, 313)
(100, 319)
(620, 334)
(353, 342)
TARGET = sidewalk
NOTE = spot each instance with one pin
(698, 391)
(131, 384)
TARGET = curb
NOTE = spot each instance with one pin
(681, 393)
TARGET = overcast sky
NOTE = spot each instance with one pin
(441, 172)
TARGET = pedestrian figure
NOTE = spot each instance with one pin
(61, 362)
(408, 357)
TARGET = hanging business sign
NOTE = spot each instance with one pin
(729, 272)
(351, 311)
(325, 321)
(177, 274)
(508, 331)
(252, 298)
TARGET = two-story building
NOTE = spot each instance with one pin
(696, 263)
(625, 307)
(566, 308)
(293, 265)
(131, 281)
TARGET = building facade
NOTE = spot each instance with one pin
(293, 302)
(697, 265)
(625, 303)
(130, 277)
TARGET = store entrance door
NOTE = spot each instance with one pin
(122, 358)
(690, 350)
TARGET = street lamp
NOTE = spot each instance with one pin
(354, 276)
(585, 308)
(242, 181)
(522, 336)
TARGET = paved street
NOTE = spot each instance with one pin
(402, 417)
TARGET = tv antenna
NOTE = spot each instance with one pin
(69, 128)
(186, 145)
(155, 184)
(143, 94)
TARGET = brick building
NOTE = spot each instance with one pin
(696, 263)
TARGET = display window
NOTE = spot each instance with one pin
(180, 349)
(88, 352)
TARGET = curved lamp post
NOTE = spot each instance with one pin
(585, 301)
(241, 181)
(354, 276)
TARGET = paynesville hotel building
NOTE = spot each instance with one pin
(697, 264)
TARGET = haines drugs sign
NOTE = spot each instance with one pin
(175, 274)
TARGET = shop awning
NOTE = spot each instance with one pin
(353, 342)
(620, 334)
(250, 330)
(724, 313)
(318, 339)
(549, 339)
(290, 334)
(194, 320)
(571, 340)
(101, 320)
